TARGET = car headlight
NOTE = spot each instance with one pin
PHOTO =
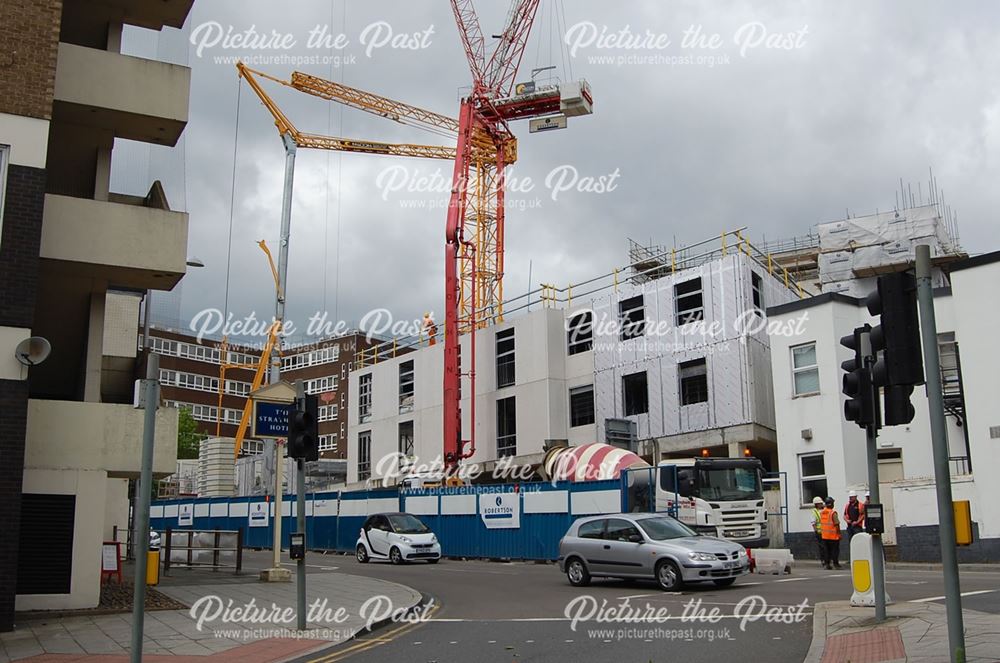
(743, 552)
(702, 557)
(404, 539)
(434, 538)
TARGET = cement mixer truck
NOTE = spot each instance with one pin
(718, 496)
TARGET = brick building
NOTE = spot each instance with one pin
(190, 377)
(67, 429)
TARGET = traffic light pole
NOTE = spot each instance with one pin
(939, 443)
(300, 512)
(871, 436)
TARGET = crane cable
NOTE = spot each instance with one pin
(232, 198)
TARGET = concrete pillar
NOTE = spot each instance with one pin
(95, 348)
(736, 449)
(102, 172)
(115, 37)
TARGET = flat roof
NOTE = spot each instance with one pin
(976, 261)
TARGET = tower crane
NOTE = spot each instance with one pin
(485, 146)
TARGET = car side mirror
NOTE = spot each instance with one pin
(635, 538)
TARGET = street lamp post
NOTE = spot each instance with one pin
(140, 533)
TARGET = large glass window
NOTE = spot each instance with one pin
(364, 398)
(635, 395)
(805, 371)
(406, 438)
(632, 317)
(505, 358)
(693, 381)
(406, 387)
(581, 405)
(580, 335)
(506, 427)
(689, 301)
(364, 455)
(757, 288)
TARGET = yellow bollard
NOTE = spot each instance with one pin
(153, 567)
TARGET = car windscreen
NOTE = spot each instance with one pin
(407, 524)
(661, 529)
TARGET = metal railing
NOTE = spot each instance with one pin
(194, 550)
(960, 465)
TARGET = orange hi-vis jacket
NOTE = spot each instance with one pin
(829, 529)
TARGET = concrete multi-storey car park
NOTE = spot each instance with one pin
(825, 455)
(68, 441)
(681, 355)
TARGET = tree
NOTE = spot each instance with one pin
(188, 437)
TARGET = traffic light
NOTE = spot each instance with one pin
(896, 344)
(898, 409)
(857, 385)
(303, 435)
(897, 336)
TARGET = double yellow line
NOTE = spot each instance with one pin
(371, 643)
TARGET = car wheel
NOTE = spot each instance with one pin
(724, 582)
(434, 561)
(395, 556)
(576, 573)
(668, 576)
(362, 553)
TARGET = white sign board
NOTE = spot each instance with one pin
(109, 557)
(259, 515)
(500, 510)
(185, 515)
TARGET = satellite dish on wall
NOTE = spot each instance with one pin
(32, 351)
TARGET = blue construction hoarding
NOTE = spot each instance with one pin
(511, 521)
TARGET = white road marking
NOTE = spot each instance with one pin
(941, 598)
(792, 579)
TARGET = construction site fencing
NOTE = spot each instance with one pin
(501, 521)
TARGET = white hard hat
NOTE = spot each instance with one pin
(817, 500)
(853, 493)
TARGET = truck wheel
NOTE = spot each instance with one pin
(576, 573)
(668, 576)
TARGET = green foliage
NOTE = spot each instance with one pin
(188, 437)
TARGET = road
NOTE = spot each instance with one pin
(490, 612)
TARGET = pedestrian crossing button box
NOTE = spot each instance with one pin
(297, 549)
(874, 522)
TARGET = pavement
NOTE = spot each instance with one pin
(915, 632)
(240, 619)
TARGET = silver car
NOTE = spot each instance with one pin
(647, 545)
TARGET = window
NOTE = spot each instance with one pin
(688, 301)
(812, 472)
(319, 385)
(506, 427)
(805, 372)
(694, 381)
(505, 358)
(580, 334)
(757, 289)
(620, 530)
(327, 412)
(406, 438)
(632, 317)
(581, 406)
(406, 387)
(592, 530)
(328, 442)
(634, 394)
(364, 455)
(364, 398)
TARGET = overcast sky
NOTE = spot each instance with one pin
(849, 98)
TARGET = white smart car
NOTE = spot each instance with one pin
(397, 537)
